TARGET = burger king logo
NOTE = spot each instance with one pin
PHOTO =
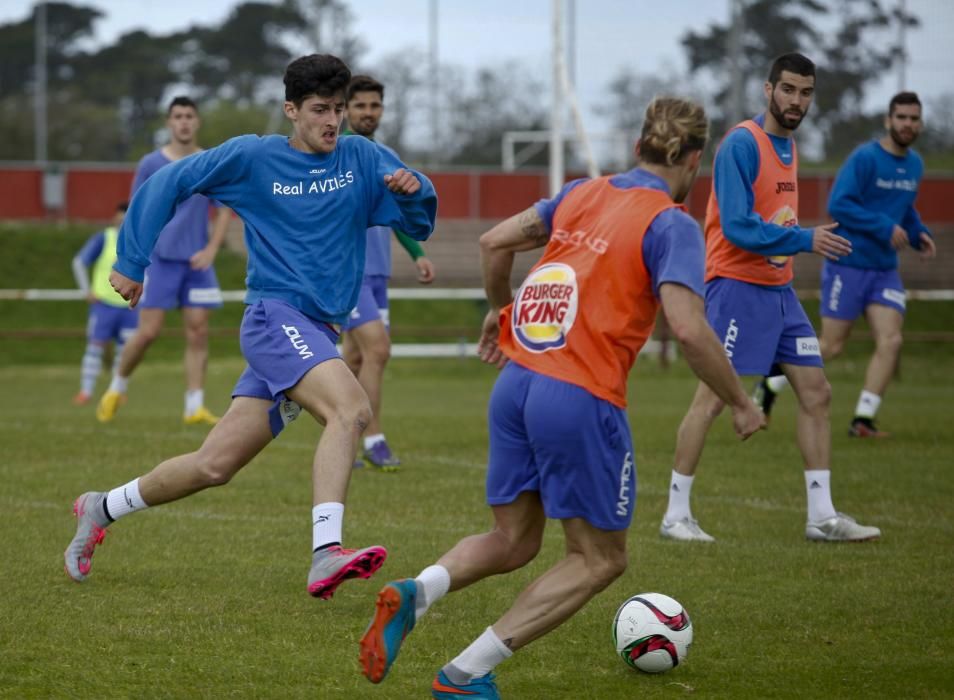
(783, 217)
(545, 308)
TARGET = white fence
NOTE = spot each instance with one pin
(458, 349)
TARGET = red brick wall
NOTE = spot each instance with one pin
(92, 193)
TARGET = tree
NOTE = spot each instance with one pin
(327, 28)
(235, 60)
(849, 58)
(66, 26)
(937, 140)
(403, 74)
(627, 96)
(496, 100)
(131, 77)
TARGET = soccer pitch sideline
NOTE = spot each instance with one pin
(206, 597)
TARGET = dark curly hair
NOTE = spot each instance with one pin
(317, 74)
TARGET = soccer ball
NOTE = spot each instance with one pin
(652, 632)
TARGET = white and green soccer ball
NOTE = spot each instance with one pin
(652, 632)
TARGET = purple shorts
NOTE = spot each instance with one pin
(280, 345)
(107, 322)
(172, 284)
(559, 440)
(760, 326)
(848, 291)
(372, 303)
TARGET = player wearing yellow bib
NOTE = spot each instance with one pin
(110, 318)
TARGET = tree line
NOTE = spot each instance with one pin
(106, 103)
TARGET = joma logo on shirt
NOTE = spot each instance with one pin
(329, 184)
(297, 341)
(784, 187)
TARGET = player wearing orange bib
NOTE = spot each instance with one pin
(560, 446)
(751, 233)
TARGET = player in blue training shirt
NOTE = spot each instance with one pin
(365, 342)
(306, 202)
(110, 318)
(180, 275)
(873, 201)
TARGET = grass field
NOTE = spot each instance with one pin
(206, 597)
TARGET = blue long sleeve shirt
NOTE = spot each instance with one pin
(305, 215)
(734, 171)
(873, 191)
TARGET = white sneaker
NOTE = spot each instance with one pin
(685, 530)
(841, 528)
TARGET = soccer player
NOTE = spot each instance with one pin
(306, 202)
(873, 202)
(180, 275)
(751, 232)
(560, 447)
(365, 342)
(110, 318)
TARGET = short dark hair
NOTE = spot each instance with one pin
(792, 62)
(181, 101)
(316, 74)
(903, 98)
(364, 83)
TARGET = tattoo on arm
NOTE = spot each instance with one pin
(532, 226)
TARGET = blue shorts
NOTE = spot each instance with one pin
(173, 284)
(107, 322)
(848, 291)
(280, 345)
(559, 440)
(372, 303)
(760, 326)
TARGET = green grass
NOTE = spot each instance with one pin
(206, 597)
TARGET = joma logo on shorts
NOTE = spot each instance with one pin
(295, 337)
(835, 294)
(731, 335)
(622, 505)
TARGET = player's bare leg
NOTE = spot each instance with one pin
(195, 321)
(332, 395)
(886, 324)
(374, 347)
(134, 350)
(678, 523)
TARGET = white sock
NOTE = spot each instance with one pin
(124, 500)
(90, 367)
(326, 524)
(119, 384)
(777, 383)
(680, 486)
(434, 583)
(194, 399)
(868, 404)
(371, 440)
(118, 356)
(818, 486)
(479, 659)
